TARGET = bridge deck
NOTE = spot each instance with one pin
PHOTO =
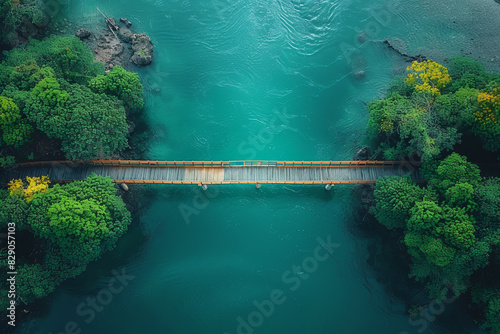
(218, 173)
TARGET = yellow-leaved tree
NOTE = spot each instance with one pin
(486, 118)
(34, 186)
(427, 77)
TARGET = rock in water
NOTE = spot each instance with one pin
(126, 22)
(143, 49)
(83, 33)
(363, 154)
(108, 49)
(358, 75)
(124, 186)
(125, 35)
(113, 24)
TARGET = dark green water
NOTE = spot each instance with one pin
(263, 80)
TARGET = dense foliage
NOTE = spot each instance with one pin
(433, 107)
(53, 91)
(89, 125)
(19, 18)
(55, 86)
(78, 222)
(451, 225)
(122, 84)
(439, 221)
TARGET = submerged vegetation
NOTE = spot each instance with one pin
(451, 224)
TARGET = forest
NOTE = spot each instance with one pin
(450, 224)
(56, 101)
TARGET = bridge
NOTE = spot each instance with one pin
(217, 172)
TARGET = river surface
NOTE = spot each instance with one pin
(256, 79)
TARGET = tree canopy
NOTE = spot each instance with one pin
(55, 87)
(431, 110)
(78, 222)
(450, 226)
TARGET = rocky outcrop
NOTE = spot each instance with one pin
(125, 34)
(115, 44)
(419, 57)
(143, 49)
(108, 49)
(127, 23)
(358, 75)
(112, 23)
(83, 33)
(362, 154)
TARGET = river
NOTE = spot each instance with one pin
(256, 79)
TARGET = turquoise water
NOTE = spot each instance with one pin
(263, 80)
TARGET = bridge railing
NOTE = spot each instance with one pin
(220, 163)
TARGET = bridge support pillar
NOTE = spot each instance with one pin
(204, 187)
(257, 185)
(328, 187)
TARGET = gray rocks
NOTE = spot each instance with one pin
(125, 34)
(108, 49)
(126, 22)
(358, 75)
(120, 45)
(363, 154)
(111, 21)
(124, 187)
(83, 33)
(143, 49)
(362, 37)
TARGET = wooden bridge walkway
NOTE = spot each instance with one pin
(216, 172)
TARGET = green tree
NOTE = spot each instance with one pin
(487, 195)
(124, 85)
(426, 217)
(49, 94)
(452, 170)
(457, 109)
(70, 58)
(72, 220)
(17, 134)
(33, 281)
(14, 210)
(79, 222)
(89, 125)
(395, 196)
(433, 249)
(7, 161)
(9, 111)
(404, 125)
(466, 72)
(18, 15)
(458, 228)
(489, 299)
